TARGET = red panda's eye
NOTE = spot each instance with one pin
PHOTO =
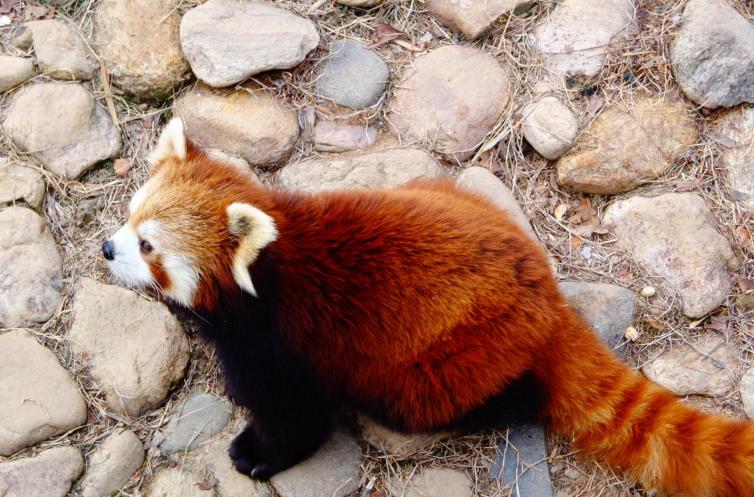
(145, 247)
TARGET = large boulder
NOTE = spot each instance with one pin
(14, 71)
(38, 399)
(449, 98)
(31, 269)
(352, 75)
(50, 473)
(60, 51)
(135, 349)
(62, 126)
(226, 41)
(138, 43)
(20, 183)
(111, 464)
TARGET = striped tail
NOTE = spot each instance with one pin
(617, 416)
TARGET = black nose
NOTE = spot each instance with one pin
(107, 250)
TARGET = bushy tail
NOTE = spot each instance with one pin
(618, 416)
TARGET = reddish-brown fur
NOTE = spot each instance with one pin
(424, 302)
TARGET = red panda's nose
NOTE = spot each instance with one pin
(108, 251)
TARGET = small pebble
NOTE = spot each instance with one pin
(122, 167)
(631, 334)
(648, 291)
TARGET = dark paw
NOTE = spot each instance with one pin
(248, 461)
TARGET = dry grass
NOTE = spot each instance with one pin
(81, 213)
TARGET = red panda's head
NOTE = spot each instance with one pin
(194, 227)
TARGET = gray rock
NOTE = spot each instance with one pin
(624, 148)
(60, 51)
(713, 54)
(473, 17)
(707, 366)
(31, 270)
(61, 125)
(139, 44)
(483, 182)
(352, 75)
(195, 421)
(746, 388)
(673, 236)
(252, 124)
(20, 184)
(50, 473)
(435, 482)
(226, 41)
(214, 459)
(734, 131)
(112, 464)
(378, 169)
(14, 71)
(38, 399)
(333, 471)
(333, 137)
(178, 482)
(608, 308)
(575, 37)
(550, 127)
(522, 462)
(136, 349)
(451, 110)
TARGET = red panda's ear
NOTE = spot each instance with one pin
(172, 144)
(254, 230)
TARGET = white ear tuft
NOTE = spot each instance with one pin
(254, 230)
(172, 142)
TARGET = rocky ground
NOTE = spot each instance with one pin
(616, 132)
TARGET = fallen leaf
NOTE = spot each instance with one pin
(582, 211)
(576, 242)
(743, 235)
(208, 483)
(745, 284)
(560, 211)
(385, 33)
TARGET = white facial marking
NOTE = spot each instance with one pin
(127, 265)
(139, 197)
(184, 278)
(255, 230)
(172, 142)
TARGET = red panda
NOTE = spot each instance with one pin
(424, 306)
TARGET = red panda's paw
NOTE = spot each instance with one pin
(247, 458)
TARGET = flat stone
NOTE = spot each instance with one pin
(622, 149)
(195, 421)
(60, 50)
(550, 127)
(707, 366)
(395, 444)
(214, 459)
(135, 349)
(734, 131)
(333, 137)
(435, 482)
(451, 110)
(226, 41)
(139, 44)
(352, 75)
(14, 71)
(712, 55)
(31, 270)
(522, 462)
(673, 236)
(51, 473)
(62, 126)
(178, 482)
(378, 169)
(486, 184)
(20, 184)
(472, 17)
(38, 399)
(577, 35)
(333, 471)
(609, 309)
(746, 388)
(111, 464)
(252, 124)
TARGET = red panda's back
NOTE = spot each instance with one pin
(381, 289)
